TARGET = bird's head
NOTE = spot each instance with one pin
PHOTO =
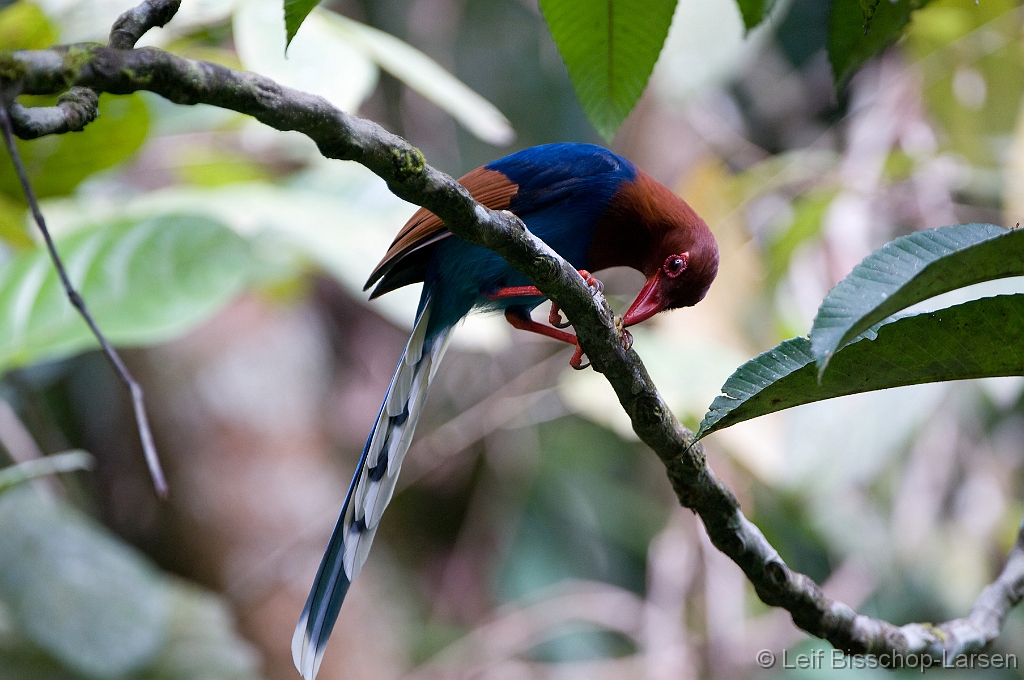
(682, 280)
(681, 262)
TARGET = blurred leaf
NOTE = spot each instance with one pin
(143, 281)
(12, 222)
(427, 77)
(337, 215)
(23, 26)
(808, 212)
(58, 163)
(201, 641)
(68, 461)
(295, 12)
(788, 169)
(910, 269)
(90, 607)
(853, 38)
(972, 63)
(209, 167)
(318, 62)
(77, 592)
(978, 339)
(610, 49)
(754, 11)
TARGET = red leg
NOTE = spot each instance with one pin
(514, 291)
(520, 319)
(533, 291)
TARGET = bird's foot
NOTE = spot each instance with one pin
(595, 284)
(577, 359)
(555, 317)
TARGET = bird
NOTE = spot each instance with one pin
(597, 210)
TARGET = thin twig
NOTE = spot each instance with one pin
(148, 448)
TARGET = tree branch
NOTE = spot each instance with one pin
(341, 136)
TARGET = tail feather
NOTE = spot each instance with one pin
(371, 490)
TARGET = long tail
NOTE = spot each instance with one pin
(369, 493)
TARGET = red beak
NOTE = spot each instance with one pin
(647, 303)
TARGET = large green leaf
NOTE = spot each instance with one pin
(910, 269)
(978, 339)
(609, 47)
(56, 164)
(859, 29)
(144, 281)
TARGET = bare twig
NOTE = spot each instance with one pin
(134, 23)
(74, 110)
(341, 136)
(148, 448)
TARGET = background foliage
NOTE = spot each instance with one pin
(532, 536)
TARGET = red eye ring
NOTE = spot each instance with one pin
(675, 264)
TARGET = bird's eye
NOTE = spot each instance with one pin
(675, 264)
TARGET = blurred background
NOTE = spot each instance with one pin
(532, 535)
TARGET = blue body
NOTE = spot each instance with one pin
(564, 189)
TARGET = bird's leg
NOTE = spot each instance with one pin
(514, 291)
(532, 291)
(520, 319)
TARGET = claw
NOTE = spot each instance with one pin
(577, 359)
(555, 317)
(592, 281)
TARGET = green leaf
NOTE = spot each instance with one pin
(295, 12)
(978, 339)
(143, 281)
(910, 269)
(56, 164)
(261, 48)
(13, 227)
(84, 605)
(856, 33)
(77, 592)
(754, 11)
(610, 48)
(68, 461)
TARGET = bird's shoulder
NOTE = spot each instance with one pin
(552, 173)
(405, 260)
